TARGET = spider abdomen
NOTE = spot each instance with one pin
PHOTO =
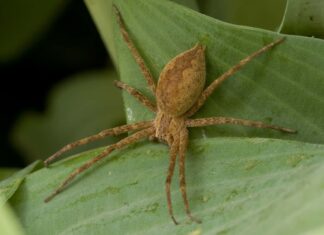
(182, 81)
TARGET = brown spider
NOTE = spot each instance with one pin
(179, 94)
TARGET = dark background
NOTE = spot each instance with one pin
(71, 44)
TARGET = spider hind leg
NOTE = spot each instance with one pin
(122, 143)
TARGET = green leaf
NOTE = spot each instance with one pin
(9, 186)
(101, 12)
(235, 185)
(283, 87)
(246, 186)
(83, 105)
(6, 172)
(304, 17)
(9, 224)
(193, 4)
(104, 23)
(23, 22)
(256, 13)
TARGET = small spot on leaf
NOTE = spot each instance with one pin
(152, 207)
(113, 190)
(294, 161)
(195, 232)
(232, 194)
(249, 165)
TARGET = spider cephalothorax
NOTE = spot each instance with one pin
(179, 94)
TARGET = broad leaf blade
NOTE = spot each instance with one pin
(10, 185)
(6, 172)
(282, 87)
(304, 17)
(235, 185)
(255, 13)
(193, 4)
(102, 15)
(9, 224)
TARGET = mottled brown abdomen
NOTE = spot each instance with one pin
(182, 81)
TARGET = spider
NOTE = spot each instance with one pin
(179, 94)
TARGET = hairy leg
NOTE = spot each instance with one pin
(138, 95)
(182, 176)
(109, 132)
(227, 120)
(216, 83)
(173, 155)
(122, 143)
(139, 60)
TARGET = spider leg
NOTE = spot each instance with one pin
(139, 60)
(182, 151)
(228, 120)
(216, 83)
(174, 147)
(122, 143)
(138, 95)
(109, 132)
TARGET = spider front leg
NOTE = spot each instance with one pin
(182, 176)
(122, 143)
(102, 134)
(216, 83)
(137, 56)
(138, 95)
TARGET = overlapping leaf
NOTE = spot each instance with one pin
(304, 17)
(283, 86)
(235, 185)
(9, 185)
(246, 186)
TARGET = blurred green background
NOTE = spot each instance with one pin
(57, 75)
